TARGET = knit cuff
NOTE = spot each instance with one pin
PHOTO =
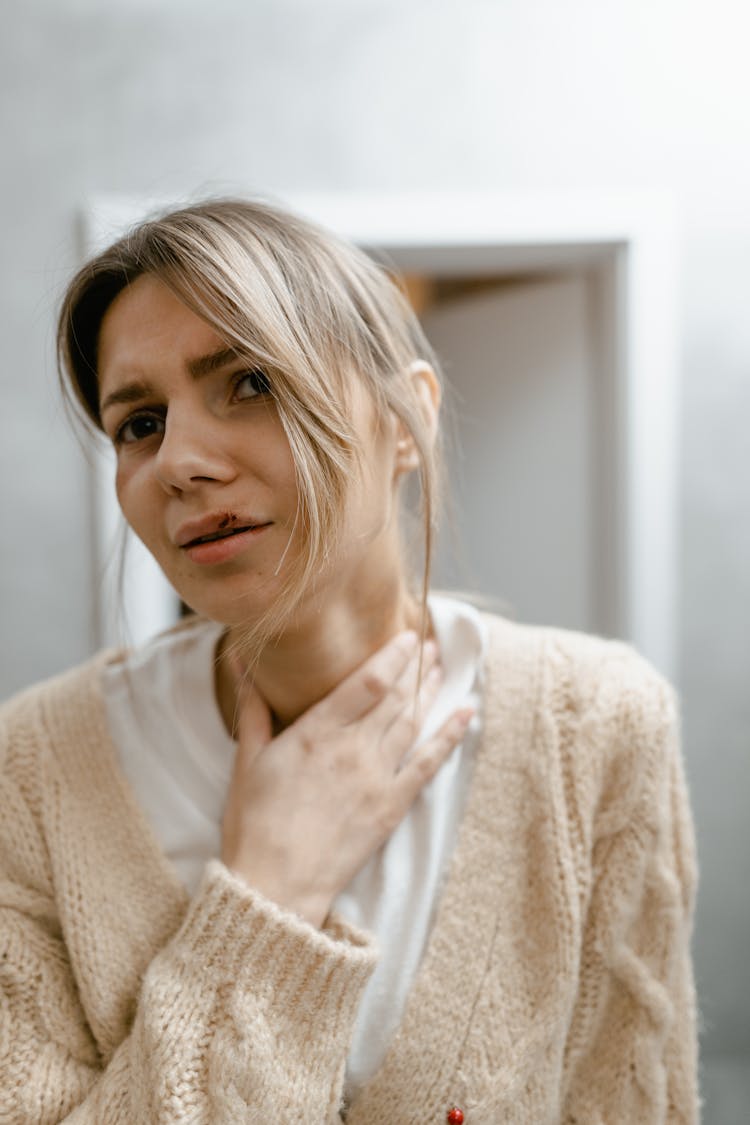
(233, 932)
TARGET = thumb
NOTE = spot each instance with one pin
(251, 724)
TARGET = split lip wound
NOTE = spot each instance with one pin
(220, 525)
(219, 535)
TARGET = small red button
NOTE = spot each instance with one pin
(455, 1116)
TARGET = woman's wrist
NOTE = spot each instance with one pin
(310, 907)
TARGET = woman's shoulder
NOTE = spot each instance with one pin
(31, 699)
(590, 667)
(587, 669)
(69, 707)
(74, 686)
(595, 707)
(33, 713)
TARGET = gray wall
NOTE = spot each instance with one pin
(164, 97)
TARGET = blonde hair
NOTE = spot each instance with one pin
(312, 312)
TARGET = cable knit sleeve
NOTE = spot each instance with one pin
(244, 1014)
(631, 1052)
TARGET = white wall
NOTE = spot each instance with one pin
(173, 96)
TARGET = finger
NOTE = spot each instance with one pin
(367, 685)
(253, 731)
(253, 718)
(404, 695)
(422, 766)
(399, 737)
(239, 673)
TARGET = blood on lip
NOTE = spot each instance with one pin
(227, 519)
(215, 534)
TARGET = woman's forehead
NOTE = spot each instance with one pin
(148, 326)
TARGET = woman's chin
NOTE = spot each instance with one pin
(234, 613)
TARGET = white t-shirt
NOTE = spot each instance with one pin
(178, 756)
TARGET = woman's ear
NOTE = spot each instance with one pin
(427, 388)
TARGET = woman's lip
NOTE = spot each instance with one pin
(191, 530)
(220, 550)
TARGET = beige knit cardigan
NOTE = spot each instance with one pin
(556, 985)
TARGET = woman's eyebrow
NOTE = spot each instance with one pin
(131, 392)
(205, 364)
(202, 365)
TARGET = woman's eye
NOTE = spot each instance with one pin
(249, 384)
(138, 428)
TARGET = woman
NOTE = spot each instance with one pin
(330, 850)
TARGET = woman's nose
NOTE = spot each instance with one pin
(191, 453)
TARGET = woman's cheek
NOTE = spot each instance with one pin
(122, 490)
(136, 502)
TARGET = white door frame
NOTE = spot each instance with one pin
(628, 244)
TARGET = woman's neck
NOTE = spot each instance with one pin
(317, 653)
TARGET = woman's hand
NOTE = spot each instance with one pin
(308, 808)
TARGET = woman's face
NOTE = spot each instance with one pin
(205, 476)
